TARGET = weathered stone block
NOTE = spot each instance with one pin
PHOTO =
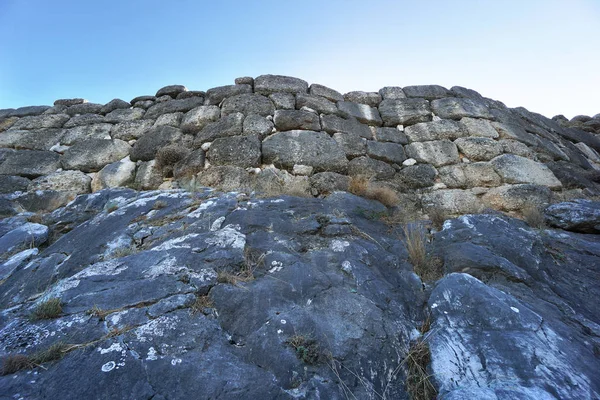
(404, 111)
(436, 130)
(478, 148)
(436, 153)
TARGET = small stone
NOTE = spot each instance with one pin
(305, 170)
(409, 161)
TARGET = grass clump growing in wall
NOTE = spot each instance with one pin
(429, 268)
(361, 186)
(49, 309)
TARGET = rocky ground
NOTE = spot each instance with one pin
(209, 295)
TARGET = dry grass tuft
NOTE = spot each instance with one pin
(16, 362)
(52, 353)
(202, 303)
(307, 349)
(438, 217)
(418, 381)
(361, 186)
(427, 267)
(99, 313)
(159, 204)
(534, 217)
(358, 185)
(49, 309)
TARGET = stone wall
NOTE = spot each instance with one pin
(454, 149)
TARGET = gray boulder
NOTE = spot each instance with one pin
(248, 104)
(436, 153)
(452, 201)
(171, 106)
(124, 114)
(457, 108)
(146, 147)
(517, 197)
(465, 176)
(116, 174)
(148, 176)
(130, 129)
(142, 98)
(392, 93)
(286, 120)
(84, 108)
(84, 132)
(478, 127)
(324, 91)
(257, 125)
(333, 124)
(23, 111)
(230, 125)
(69, 102)
(171, 119)
(371, 99)
(63, 181)
(38, 139)
(191, 93)
(244, 80)
(315, 149)
(114, 104)
(329, 182)
(370, 168)
(239, 151)
(190, 165)
(171, 91)
(10, 184)
(404, 111)
(216, 95)
(388, 152)
(41, 122)
(26, 236)
(352, 143)
(429, 92)
(362, 112)
(30, 163)
(91, 155)
(479, 148)
(267, 84)
(195, 120)
(7, 122)
(577, 216)
(516, 169)
(84, 119)
(416, 176)
(436, 130)
(516, 132)
(283, 101)
(320, 104)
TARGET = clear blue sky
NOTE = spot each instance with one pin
(540, 54)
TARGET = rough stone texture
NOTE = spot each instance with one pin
(436, 130)
(390, 135)
(10, 184)
(69, 102)
(248, 104)
(191, 93)
(124, 114)
(147, 176)
(478, 127)
(457, 108)
(453, 201)
(41, 122)
(370, 168)
(257, 125)
(84, 108)
(392, 93)
(84, 119)
(131, 129)
(217, 95)
(93, 154)
(172, 106)
(267, 84)
(146, 147)
(333, 124)
(30, 163)
(388, 152)
(195, 120)
(362, 112)
(283, 101)
(171, 91)
(316, 149)
(516, 147)
(239, 151)
(577, 216)
(172, 119)
(114, 104)
(436, 153)
(39, 139)
(352, 143)
(516, 169)
(479, 149)
(120, 173)
(230, 125)
(516, 132)
(287, 120)
(416, 176)
(573, 176)
(329, 182)
(65, 181)
(324, 91)
(429, 92)
(225, 178)
(517, 197)
(372, 99)
(404, 111)
(465, 176)
(320, 104)
(85, 132)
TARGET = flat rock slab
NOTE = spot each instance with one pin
(516, 169)
(404, 111)
(93, 154)
(577, 216)
(437, 153)
(457, 108)
(30, 163)
(267, 84)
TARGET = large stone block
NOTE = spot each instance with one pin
(155, 138)
(114, 104)
(457, 108)
(131, 129)
(436, 153)
(324, 91)
(362, 112)
(239, 151)
(91, 155)
(63, 181)
(38, 139)
(116, 174)
(171, 106)
(170, 90)
(370, 168)
(320, 104)
(315, 149)
(516, 169)
(84, 132)
(577, 215)
(453, 201)
(388, 152)
(478, 127)
(333, 124)
(352, 143)
(267, 84)
(287, 120)
(429, 92)
(436, 130)
(372, 99)
(230, 125)
(216, 95)
(195, 120)
(392, 92)
(478, 148)
(248, 104)
(416, 176)
(255, 124)
(471, 175)
(84, 119)
(124, 114)
(41, 121)
(390, 135)
(516, 197)
(30, 163)
(404, 111)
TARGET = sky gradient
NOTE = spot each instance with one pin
(540, 54)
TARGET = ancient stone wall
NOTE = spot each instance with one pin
(454, 149)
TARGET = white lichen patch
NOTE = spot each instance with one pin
(167, 266)
(111, 348)
(277, 201)
(204, 275)
(276, 266)
(176, 361)
(216, 225)
(109, 268)
(339, 245)
(176, 243)
(19, 258)
(151, 354)
(197, 213)
(109, 366)
(465, 220)
(347, 267)
(227, 237)
(120, 242)
(156, 328)
(515, 309)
